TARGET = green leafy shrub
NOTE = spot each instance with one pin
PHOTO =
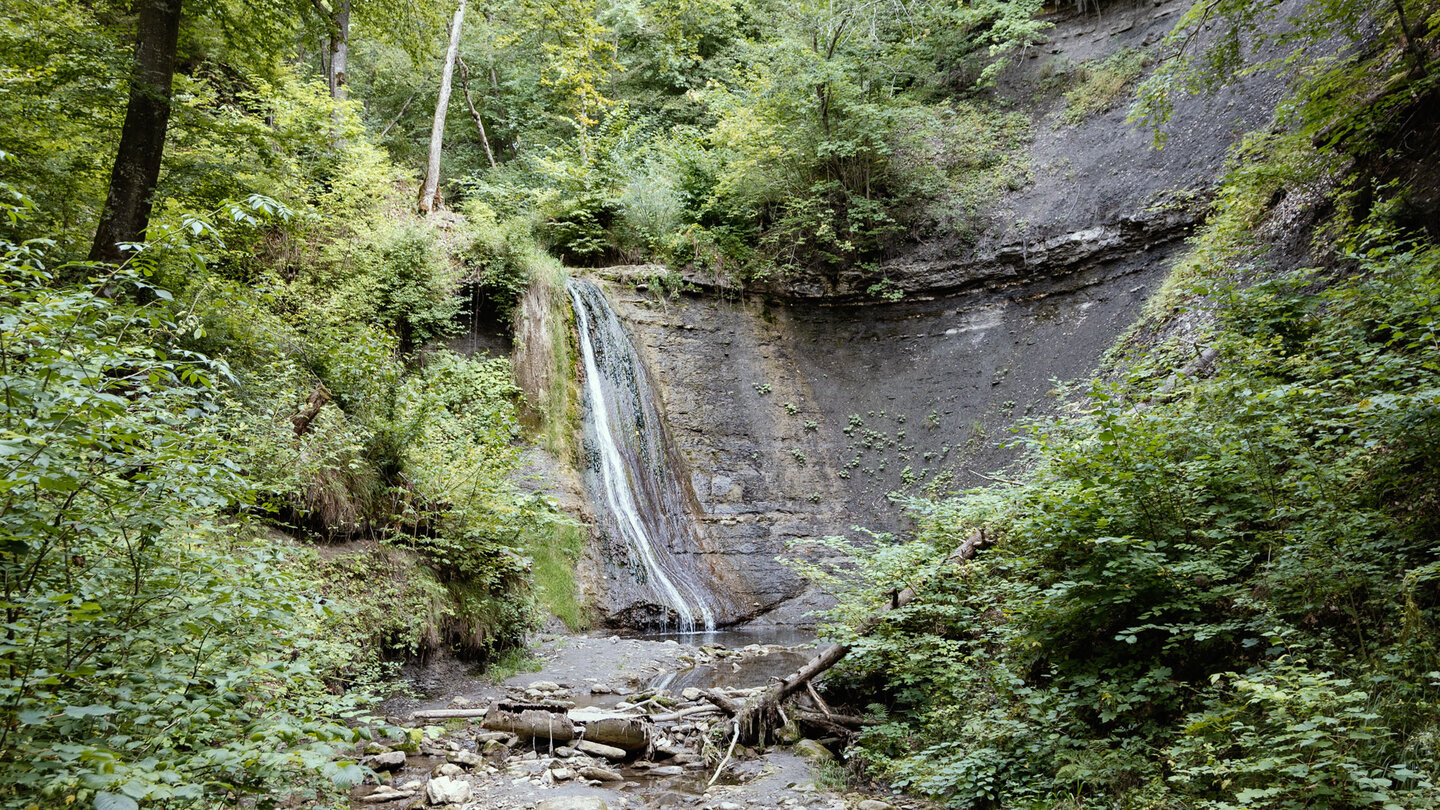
(156, 651)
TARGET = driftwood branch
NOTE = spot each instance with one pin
(760, 716)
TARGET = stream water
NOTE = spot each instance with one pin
(629, 472)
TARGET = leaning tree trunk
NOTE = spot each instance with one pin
(474, 112)
(758, 719)
(142, 138)
(431, 187)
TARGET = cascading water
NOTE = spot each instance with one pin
(628, 470)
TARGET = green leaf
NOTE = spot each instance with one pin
(114, 801)
(88, 711)
(348, 775)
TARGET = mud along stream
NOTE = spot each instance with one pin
(511, 744)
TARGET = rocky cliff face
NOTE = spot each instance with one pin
(803, 408)
(800, 419)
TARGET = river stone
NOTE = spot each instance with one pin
(872, 804)
(466, 759)
(546, 686)
(813, 751)
(388, 761)
(448, 769)
(600, 750)
(572, 803)
(788, 734)
(444, 790)
(668, 770)
(691, 693)
(562, 774)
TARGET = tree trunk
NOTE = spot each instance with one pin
(142, 138)
(1408, 40)
(474, 113)
(340, 50)
(760, 716)
(431, 187)
(311, 409)
(337, 20)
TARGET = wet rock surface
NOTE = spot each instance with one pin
(462, 764)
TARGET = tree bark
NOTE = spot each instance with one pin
(311, 409)
(431, 187)
(142, 137)
(760, 716)
(339, 49)
(474, 113)
(337, 20)
(530, 721)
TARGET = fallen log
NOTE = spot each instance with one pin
(758, 719)
(832, 724)
(680, 714)
(627, 733)
(725, 704)
(538, 721)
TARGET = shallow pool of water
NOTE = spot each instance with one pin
(736, 637)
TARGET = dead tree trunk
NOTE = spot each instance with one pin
(310, 409)
(431, 187)
(526, 720)
(474, 113)
(142, 137)
(760, 716)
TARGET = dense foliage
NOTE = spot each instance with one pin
(743, 137)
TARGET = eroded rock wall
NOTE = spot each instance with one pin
(799, 420)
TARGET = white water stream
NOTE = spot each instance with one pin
(624, 440)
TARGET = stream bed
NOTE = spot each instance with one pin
(463, 766)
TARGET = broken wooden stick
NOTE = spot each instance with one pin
(757, 720)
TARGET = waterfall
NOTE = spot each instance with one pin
(628, 469)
